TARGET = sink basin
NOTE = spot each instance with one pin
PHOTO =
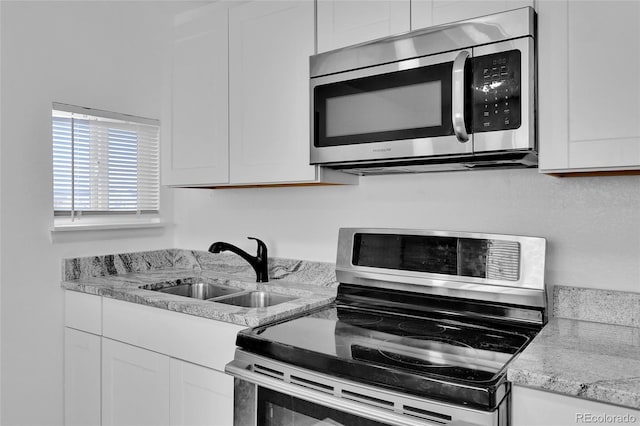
(256, 299)
(199, 290)
(196, 289)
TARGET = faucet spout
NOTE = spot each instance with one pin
(258, 262)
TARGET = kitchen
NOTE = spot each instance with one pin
(590, 223)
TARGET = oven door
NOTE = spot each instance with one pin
(410, 108)
(268, 403)
(278, 409)
(268, 392)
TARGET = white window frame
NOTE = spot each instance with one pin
(72, 219)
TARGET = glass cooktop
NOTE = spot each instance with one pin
(448, 359)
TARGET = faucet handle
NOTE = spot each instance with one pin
(262, 247)
(261, 267)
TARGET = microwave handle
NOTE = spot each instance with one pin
(458, 96)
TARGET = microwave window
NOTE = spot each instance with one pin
(398, 108)
(407, 104)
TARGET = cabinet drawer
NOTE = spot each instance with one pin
(83, 312)
(198, 340)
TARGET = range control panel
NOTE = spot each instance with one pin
(496, 92)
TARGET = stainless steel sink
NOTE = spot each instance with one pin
(202, 291)
(194, 288)
(256, 299)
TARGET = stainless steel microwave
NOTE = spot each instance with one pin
(452, 97)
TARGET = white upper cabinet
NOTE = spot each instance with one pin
(239, 105)
(425, 13)
(589, 90)
(269, 48)
(196, 151)
(345, 22)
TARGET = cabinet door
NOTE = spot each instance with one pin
(200, 396)
(425, 13)
(345, 22)
(81, 378)
(532, 407)
(196, 149)
(589, 90)
(135, 385)
(269, 48)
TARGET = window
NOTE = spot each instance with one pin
(104, 163)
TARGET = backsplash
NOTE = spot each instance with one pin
(317, 273)
(112, 264)
(605, 306)
(320, 273)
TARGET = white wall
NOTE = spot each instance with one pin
(1, 97)
(592, 225)
(105, 55)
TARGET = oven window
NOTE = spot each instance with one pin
(405, 104)
(278, 409)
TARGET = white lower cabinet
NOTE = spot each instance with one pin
(200, 396)
(532, 407)
(135, 385)
(144, 366)
(81, 378)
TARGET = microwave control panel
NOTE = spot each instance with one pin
(496, 92)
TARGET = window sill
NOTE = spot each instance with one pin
(66, 225)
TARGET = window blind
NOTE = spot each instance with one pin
(104, 162)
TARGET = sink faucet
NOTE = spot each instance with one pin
(258, 262)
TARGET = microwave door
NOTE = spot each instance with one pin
(395, 111)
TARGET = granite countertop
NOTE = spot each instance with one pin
(576, 356)
(312, 284)
(590, 348)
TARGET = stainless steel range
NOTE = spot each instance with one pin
(422, 330)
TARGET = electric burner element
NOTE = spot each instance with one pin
(421, 327)
(359, 318)
(435, 365)
(427, 358)
(415, 362)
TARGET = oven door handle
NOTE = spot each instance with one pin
(242, 370)
(458, 96)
